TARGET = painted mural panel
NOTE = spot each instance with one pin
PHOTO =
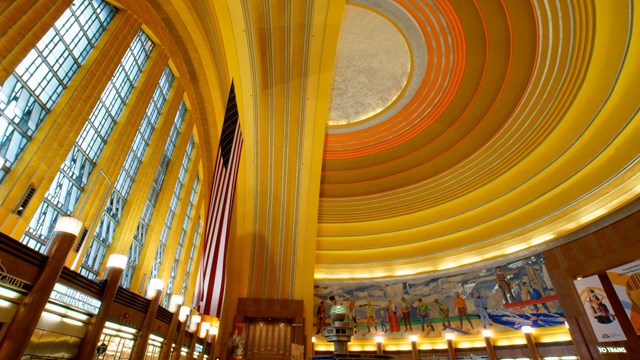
(626, 282)
(499, 298)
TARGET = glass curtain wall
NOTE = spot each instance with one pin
(34, 87)
(143, 225)
(186, 223)
(175, 199)
(65, 190)
(103, 236)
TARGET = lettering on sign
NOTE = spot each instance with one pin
(74, 298)
(611, 349)
(12, 281)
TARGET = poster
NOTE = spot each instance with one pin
(626, 282)
(603, 321)
(297, 352)
(499, 298)
(238, 341)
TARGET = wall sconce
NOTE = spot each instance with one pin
(195, 320)
(117, 261)
(204, 328)
(213, 330)
(155, 286)
(174, 302)
(184, 313)
(68, 225)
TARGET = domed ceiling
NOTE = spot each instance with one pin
(465, 131)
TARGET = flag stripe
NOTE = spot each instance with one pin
(210, 287)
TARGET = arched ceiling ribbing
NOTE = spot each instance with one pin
(514, 124)
(521, 130)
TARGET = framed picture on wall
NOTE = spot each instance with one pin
(626, 282)
(596, 303)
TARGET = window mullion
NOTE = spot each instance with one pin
(45, 61)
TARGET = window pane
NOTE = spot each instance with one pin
(194, 243)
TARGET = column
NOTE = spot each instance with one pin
(174, 307)
(183, 316)
(489, 342)
(202, 333)
(379, 345)
(156, 286)
(414, 346)
(115, 268)
(450, 345)
(193, 327)
(531, 342)
(214, 336)
(24, 322)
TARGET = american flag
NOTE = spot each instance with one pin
(211, 276)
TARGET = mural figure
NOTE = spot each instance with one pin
(406, 314)
(481, 304)
(598, 308)
(351, 304)
(504, 285)
(383, 320)
(321, 315)
(394, 325)
(423, 313)
(529, 292)
(444, 312)
(461, 307)
(237, 344)
(371, 316)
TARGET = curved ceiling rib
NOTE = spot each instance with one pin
(531, 143)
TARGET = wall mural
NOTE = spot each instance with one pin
(500, 298)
